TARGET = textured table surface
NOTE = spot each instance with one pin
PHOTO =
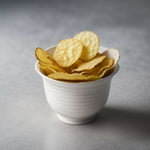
(26, 120)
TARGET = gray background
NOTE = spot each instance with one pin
(26, 120)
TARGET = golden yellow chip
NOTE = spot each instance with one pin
(68, 52)
(90, 64)
(48, 70)
(74, 66)
(106, 69)
(102, 74)
(98, 54)
(51, 67)
(45, 69)
(77, 63)
(72, 77)
(106, 64)
(42, 70)
(92, 71)
(112, 53)
(90, 43)
(44, 56)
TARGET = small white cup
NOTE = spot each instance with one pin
(77, 103)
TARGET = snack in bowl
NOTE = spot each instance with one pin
(90, 43)
(78, 59)
(68, 52)
(77, 75)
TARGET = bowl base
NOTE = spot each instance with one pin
(76, 121)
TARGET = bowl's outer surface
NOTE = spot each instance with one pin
(77, 100)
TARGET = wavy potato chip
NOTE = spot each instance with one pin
(51, 67)
(106, 64)
(90, 64)
(92, 71)
(72, 77)
(107, 68)
(112, 53)
(41, 70)
(68, 52)
(98, 54)
(44, 56)
(90, 43)
(95, 72)
(75, 65)
(102, 74)
(48, 70)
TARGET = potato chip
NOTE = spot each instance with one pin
(74, 66)
(108, 72)
(48, 70)
(90, 43)
(77, 63)
(41, 70)
(44, 56)
(98, 54)
(95, 69)
(106, 64)
(103, 73)
(90, 64)
(68, 52)
(72, 77)
(51, 67)
(112, 53)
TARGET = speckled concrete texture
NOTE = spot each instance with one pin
(26, 120)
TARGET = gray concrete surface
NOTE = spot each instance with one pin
(26, 120)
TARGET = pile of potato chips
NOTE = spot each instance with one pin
(78, 59)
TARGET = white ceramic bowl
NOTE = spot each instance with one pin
(77, 103)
